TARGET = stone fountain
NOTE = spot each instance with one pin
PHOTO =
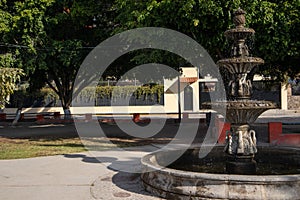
(240, 110)
(230, 172)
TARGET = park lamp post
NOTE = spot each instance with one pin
(178, 91)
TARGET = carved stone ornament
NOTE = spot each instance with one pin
(241, 141)
(239, 18)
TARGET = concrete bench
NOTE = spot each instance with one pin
(37, 116)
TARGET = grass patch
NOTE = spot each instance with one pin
(11, 148)
(27, 148)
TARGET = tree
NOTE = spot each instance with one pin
(276, 24)
(10, 73)
(51, 38)
(72, 29)
(21, 32)
(277, 39)
(65, 59)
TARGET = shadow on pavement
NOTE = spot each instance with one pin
(84, 158)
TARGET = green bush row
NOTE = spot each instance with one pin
(123, 92)
(102, 92)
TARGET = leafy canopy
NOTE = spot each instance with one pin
(276, 24)
(8, 78)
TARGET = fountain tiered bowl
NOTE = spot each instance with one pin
(242, 111)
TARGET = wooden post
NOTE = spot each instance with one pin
(136, 117)
(40, 117)
(22, 116)
(3, 116)
(56, 115)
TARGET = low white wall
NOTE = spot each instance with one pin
(34, 110)
(97, 110)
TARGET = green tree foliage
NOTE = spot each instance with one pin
(65, 59)
(276, 24)
(50, 38)
(72, 29)
(21, 32)
(8, 78)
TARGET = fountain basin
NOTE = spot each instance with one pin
(178, 182)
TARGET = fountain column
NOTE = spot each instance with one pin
(241, 111)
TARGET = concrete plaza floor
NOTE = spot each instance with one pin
(70, 177)
(86, 175)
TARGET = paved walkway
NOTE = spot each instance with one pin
(83, 176)
(72, 177)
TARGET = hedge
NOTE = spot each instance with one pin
(47, 97)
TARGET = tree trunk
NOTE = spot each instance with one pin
(18, 116)
(66, 100)
(67, 113)
(64, 92)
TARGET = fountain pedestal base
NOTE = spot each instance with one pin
(247, 167)
(241, 147)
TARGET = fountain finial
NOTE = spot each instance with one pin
(239, 18)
